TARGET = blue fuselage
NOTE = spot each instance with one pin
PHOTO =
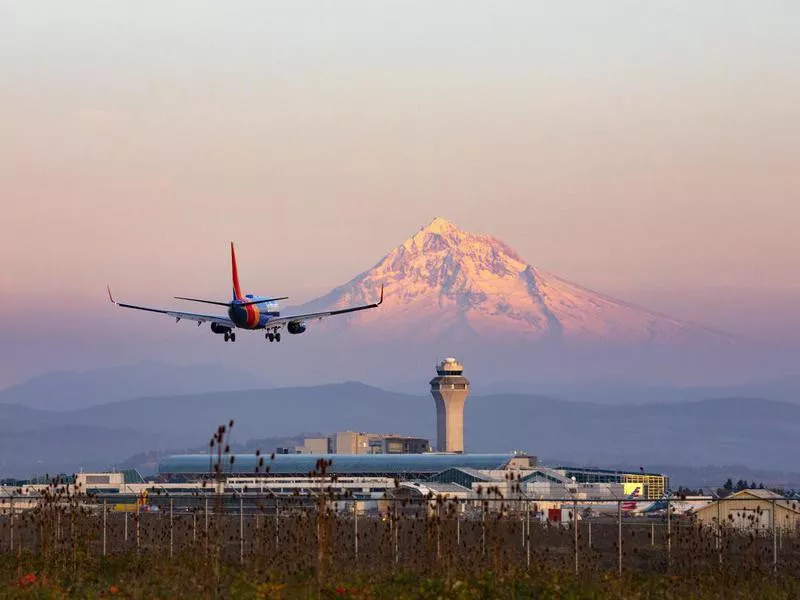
(253, 316)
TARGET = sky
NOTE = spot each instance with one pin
(645, 149)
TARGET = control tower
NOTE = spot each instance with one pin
(449, 390)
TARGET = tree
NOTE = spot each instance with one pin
(728, 484)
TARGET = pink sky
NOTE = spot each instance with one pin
(625, 147)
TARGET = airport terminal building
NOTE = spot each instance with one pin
(374, 466)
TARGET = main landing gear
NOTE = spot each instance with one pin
(273, 337)
(230, 336)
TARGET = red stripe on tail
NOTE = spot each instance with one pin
(237, 290)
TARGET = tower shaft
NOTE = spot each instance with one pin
(449, 390)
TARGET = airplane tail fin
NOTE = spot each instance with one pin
(237, 290)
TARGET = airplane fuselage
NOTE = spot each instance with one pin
(253, 316)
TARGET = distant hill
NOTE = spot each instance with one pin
(117, 431)
(758, 434)
(752, 432)
(786, 389)
(68, 390)
(267, 413)
(69, 449)
(14, 417)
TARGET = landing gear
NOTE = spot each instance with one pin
(230, 336)
(277, 337)
(273, 337)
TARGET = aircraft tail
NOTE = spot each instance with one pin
(237, 289)
(660, 504)
(631, 501)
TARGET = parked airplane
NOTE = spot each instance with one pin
(628, 505)
(246, 311)
(679, 505)
(631, 504)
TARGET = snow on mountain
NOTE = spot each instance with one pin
(448, 283)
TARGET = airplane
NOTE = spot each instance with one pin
(680, 505)
(246, 311)
(628, 505)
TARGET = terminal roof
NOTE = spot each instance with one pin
(342, 464)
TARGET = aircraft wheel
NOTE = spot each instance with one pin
(277, 337)
(271, 337)
(233, 337)
(227, 336)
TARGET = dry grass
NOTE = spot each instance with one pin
(248, 546)
(309, 551)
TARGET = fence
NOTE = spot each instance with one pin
(420, 534)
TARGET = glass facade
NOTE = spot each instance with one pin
(458, 476)
(655, 484)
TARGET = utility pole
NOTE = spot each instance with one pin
(205, 514)
(355, 528)
(575, 529)
(669, 534)
(171, 532)
(277, 536)
(619, 536)
(774, 540)
(528, 534)
(104, 526)
(11, 524)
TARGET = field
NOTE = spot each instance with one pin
(311, 547)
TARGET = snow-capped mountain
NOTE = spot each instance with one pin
(446, 283)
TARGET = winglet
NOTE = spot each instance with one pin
(110, 297)
(237, 290)
(381, 300)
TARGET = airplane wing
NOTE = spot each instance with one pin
(178, 315)
(282, 321)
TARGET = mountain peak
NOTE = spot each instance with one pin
(440, 225)
(445, 282)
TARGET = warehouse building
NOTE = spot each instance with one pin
(752, 510)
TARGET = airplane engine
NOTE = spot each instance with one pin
(217, 328)
(295, 327)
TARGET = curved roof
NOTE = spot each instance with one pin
(351, 464)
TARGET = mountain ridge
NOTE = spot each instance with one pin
(446, 282)
(744, 431)
(68, 390)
